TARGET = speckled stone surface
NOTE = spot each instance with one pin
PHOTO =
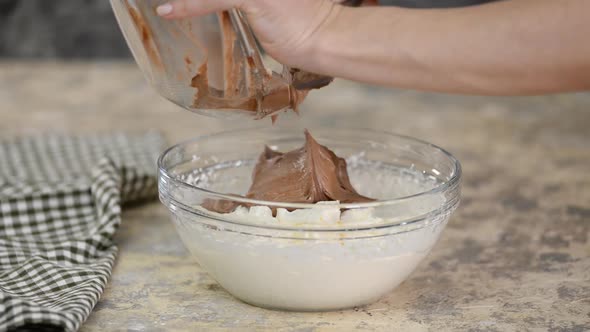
(514, 257)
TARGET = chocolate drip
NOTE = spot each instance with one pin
(310, 174)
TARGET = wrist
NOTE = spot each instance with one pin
(323, 43)
(361, 44)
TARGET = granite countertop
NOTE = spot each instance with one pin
(514, 257)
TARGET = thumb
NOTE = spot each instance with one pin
(187, 8)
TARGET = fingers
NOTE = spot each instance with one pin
(186, 8)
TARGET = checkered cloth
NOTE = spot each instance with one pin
(60, 205)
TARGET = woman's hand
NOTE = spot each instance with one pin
(502, 48)
(287, 29)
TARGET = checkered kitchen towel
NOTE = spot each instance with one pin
(60, 204)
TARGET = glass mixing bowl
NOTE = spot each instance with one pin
(307, 266)
(203, 64)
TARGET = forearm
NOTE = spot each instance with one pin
(504, 48)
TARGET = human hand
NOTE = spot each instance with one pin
(287, 29)
(505, 47)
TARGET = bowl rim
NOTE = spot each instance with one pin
(453, 182)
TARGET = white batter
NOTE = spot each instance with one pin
(310, 270)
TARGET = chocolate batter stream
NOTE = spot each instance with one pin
(310, 174)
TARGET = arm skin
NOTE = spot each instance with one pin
(511, 47)
(515, 47)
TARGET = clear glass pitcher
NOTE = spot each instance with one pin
(209, 65)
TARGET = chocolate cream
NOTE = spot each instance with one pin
(310, 174)
(274, 94)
